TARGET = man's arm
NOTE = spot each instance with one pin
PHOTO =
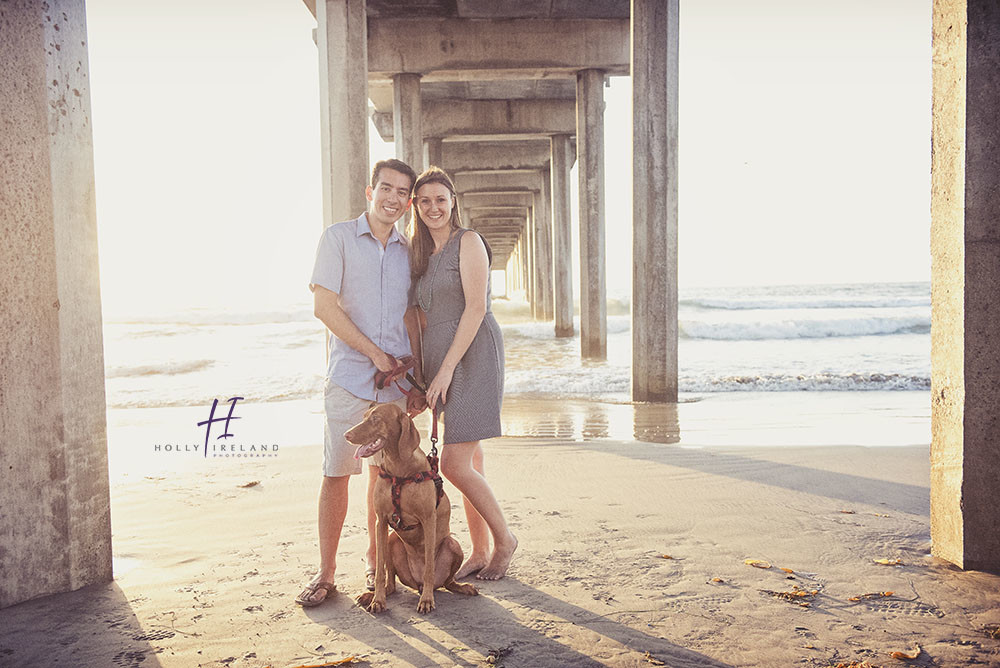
(326, 307)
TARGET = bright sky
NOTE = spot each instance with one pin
(804, 148)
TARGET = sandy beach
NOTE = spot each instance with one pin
(632, 550)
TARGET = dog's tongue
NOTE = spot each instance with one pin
(368, 450)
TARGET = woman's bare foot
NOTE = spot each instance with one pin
(474, 564)
(500, 561)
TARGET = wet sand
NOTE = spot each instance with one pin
(206, 570)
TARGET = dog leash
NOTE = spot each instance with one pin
(400, 369)
(396, 519)
(434, 436)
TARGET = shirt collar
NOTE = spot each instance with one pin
(364, 227)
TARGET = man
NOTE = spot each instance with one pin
(360, 284)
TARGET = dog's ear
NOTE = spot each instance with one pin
(409, 437)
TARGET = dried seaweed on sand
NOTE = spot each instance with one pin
(797, 595)
(906, 656)
(869, 597)
(494, 656)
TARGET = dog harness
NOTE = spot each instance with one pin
(396, 519)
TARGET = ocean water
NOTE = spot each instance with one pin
(760, 339)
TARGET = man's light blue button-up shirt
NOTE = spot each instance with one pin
(374, 284)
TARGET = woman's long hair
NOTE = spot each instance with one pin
(421, 243)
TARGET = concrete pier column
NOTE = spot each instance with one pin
(522, 249)
(531, 256)
(562, 250)
(965, 270)
(55, 522)
(342, 37)
(406, 120)
(432, 152)
(655, 32)
(543, 232)
(508, 274)
(513, 273)
(590, 151)
(407, 127)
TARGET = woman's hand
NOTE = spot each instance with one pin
(439, 387)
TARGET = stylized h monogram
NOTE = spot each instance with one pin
(212, 418)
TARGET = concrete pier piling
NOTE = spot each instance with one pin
(342, 38)
(55, 522)
(562, 253)
(590, 152)
(965, 272)
(655, 33)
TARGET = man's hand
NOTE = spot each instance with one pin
(383, 361)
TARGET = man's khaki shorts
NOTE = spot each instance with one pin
(343, 411)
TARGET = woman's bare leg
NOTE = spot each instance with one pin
(458, 464)
(479, 530)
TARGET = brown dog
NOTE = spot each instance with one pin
(421, 548)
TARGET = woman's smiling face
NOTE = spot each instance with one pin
(434, 203)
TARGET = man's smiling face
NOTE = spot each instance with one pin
(390, 197)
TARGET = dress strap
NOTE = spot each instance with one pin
(489, 251)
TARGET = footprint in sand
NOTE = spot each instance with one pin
(161, 634)
(894, 609)
(129, 659)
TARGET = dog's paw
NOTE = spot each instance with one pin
(461, 588)
(424, 606)
(369, 603)
(465, 588)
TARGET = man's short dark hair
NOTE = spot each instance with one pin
(395, 165)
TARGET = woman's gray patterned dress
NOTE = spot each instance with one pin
(472, 411)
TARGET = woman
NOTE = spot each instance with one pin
(462, 355)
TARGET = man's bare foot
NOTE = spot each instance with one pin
(500, 561)
(474, 564)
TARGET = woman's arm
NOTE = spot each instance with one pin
(474, 269)
(414, 330)
(416, 401)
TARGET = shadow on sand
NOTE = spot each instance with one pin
(59, 630)
(901, 497)
(595, 426)
(535, 627)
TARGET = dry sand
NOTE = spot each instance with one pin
(206, 570)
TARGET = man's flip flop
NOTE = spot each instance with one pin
(370, 579)
(305, 598)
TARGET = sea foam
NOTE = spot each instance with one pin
(805, 328)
